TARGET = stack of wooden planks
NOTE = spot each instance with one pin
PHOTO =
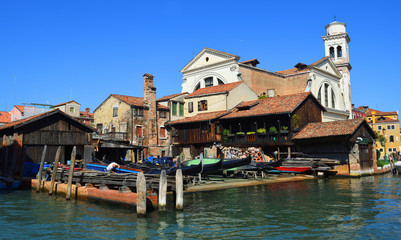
(319, 164)
(115, 180)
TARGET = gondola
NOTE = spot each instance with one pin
(9, 183)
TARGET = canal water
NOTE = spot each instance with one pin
(365, 208)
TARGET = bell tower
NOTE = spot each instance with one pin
(336, 47)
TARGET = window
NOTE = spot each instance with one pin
(333, 99)
(138, 112)
(204, 127)
(190, 107)
(388, 127)
(319, 95)
(390, 149)
(379, 127)
(99, 127)
(339, 52)
(163, 133)
(270, 93)
(139, 132)
(181, 109)
(209, 82)
(326, 95)
(162, 114)
(220, 82)
(391, 139)
(370, 119)
(331, 52)
(174, 108)
(72, 109)
(381, 149)
(394, 149)
(197, 87)
(115, 111)
(394, 117)
(392, 127)
(202, 105)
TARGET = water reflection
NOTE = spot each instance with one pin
(368, 207)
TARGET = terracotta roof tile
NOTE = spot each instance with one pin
(5, 117)
(38, 116)
(162, 107)
(20, 108)
(201, 117)
(133, 101)
(215, 89)
(329, 129)
(274, 105)
(170, 97)
(295, 70)
(86, 114)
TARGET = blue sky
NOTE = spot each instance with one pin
(57, 51)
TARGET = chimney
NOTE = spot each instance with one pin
(87, 110)
(149, 97)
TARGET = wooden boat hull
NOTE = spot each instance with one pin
(103, 168)
(294, 169)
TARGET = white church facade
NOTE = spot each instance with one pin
(328, 78)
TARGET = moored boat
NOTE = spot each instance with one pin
(398, 166)
(293, 169)
(8, 183)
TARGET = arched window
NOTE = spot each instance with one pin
(339, 52)
(197, 86)
(332, 52)
(319, 96)
(326, 95)
(333, 99)
(391, 139)
(208, 81)
(220, 82)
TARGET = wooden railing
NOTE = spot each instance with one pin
(258, 139)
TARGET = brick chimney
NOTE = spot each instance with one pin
(149, 96)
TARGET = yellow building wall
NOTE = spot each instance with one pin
(387, 133)
(104, 114)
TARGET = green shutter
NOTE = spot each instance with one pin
(174, 109)
(181, 109)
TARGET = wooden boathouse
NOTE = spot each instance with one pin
(24, 140)
(352, 142)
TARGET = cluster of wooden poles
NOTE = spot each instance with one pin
(139, 183)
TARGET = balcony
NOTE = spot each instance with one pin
(257, 139)
(111, 136)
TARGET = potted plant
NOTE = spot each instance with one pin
(240, 134)
(272, 129)
(295, 122)
(250, 133)
(284, 129)
(261, 131)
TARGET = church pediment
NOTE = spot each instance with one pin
(208, 57)
(326, 65)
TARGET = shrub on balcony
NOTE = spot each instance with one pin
(261, 131)
(284, 129)
(240, 133)
(272, 130)
(226, 132)
(250, 133)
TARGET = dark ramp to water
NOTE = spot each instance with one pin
(366, 208)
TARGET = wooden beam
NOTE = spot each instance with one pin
(162, 191)
(179, 190)
(141, 194)
(42, 162)
(55, 167)
(71, 173)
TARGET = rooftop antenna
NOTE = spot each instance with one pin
(335, 18)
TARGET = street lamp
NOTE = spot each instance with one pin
(385, 140)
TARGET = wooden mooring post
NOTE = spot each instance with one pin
(55, 167)
(141, 194)
(42, 162)
(71, 173)
(179, 201)
(163, 191)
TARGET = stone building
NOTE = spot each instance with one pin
(132, 127)
(328, 78)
